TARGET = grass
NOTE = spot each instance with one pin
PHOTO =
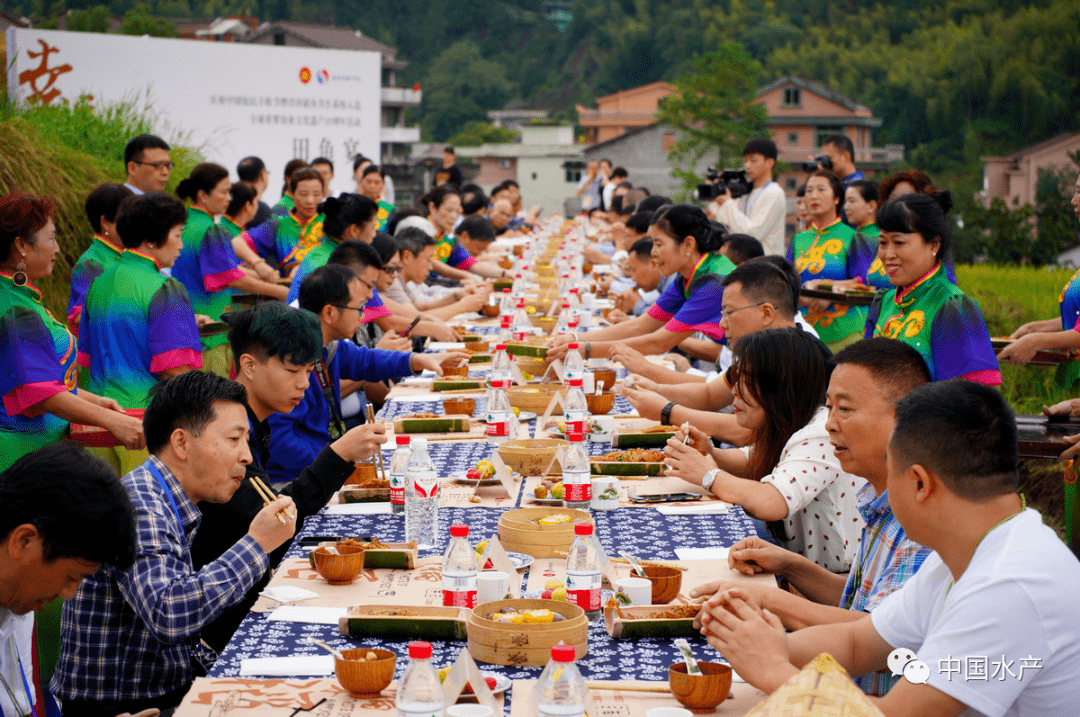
(1010, 296)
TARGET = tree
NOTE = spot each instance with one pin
(713, 110)
(460, 87)
(474, 134)
(96, 19)
(1057, 227)
(139, 21)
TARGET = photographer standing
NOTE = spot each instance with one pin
(761, 212)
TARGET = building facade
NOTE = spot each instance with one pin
(1015, 177)
(622, 112)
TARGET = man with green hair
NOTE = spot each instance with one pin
(275, 349)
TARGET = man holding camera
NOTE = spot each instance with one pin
(759, 213)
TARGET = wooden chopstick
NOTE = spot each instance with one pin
(378, 449)
(660, 687)
(268, 497)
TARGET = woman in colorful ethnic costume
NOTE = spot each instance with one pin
(105, 248)
(826, 253)
(38, 379)
(286, 203)
(138, 326)
(243, 206)
(284, 241)
(925, 309)
(373, 185)
(860, 206)
(452, 260)
(208, 267)
(685, 244)
(1058, 333)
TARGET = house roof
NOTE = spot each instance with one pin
(8, 20)
(337, 38)
(815, 87)
(624, 136)
(639, 90)
(1032, 148)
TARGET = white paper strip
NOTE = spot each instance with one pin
(308, 614)
(703, 509)
(287, 666)
(359, 509)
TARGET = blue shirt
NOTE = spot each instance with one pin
(131, 634)
(297, 437)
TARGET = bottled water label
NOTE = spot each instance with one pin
(521, 334)
(505, 320)
(503, 383)
(496, 428)
(577, 487)
(584, 590)
(397, 489)
(459, 591)
(575, 421)
(426, 487)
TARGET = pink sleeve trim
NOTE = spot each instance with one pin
(83, 360)
(1076, 326)
(174, 358)
(987, 377)
(217, 282)
(711, 330)
(376, 312)
(655, 312)
(31, 394)
(76, 312)
(250, 242)
(466, 264)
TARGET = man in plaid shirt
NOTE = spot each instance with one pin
(870, 377)
(131, 637)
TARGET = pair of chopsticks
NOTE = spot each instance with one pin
(378, 449)
(624, 561)
(268, 497)
(616, 686)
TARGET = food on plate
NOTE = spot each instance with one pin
(660, 429)
(492, 683)
(674, 612)
(557, 491)
(427, 414)
(555, 519)
(633, 455)
(484, 469)
(554, 590)
(526, 617)
(541, 491)
(366, 657)
(394, 612)
(376, 544)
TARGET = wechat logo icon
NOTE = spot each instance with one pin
(902, 661)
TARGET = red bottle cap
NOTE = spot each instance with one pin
(403, 440)
(562, 653)
(459, 530)
(419, 650)
(583, 529)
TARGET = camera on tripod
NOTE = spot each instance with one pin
(822, 161)
(730, 181)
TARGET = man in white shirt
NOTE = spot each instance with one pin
(761, 212)
(146, 159)
(988, 625)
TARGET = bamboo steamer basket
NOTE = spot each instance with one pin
(501, 643)
(533, 398)
(533, 366)
(518, 534)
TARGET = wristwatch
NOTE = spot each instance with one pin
(708, 479)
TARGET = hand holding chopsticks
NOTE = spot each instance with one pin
(268, 497)
(378, 450)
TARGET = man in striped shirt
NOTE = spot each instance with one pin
(870, 377)
(130, 637)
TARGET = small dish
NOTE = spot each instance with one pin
(520, 560)
(526, 416)
(461, 477)
(502, 684)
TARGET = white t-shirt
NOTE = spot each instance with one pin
(17, 634)
(1017, 599)
(823, 515)
(759, 214)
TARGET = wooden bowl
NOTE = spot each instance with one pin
(700, 693)
(501, 643)
(599, 405)
(339, 569)
(666, 583)
(457, 371)
(518, 533)
(365, 678)
(586, 268)
(462, 406)
(544, 323)
(365, 474)
(490, 310)
(506, 264)
(518, 249)
(533, 366)
(607, 375)
(543, 270)
(534, 398)
(529, 457)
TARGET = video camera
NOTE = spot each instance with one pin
(822, 160)
(730, 181)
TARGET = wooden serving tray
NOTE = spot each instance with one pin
(396, 556)
(619, 628)
(421, 623)
(1047, 357)
(97, 437)
(849, 298)
(619, 468)
(1041, 437)
(637, 439)
(215, 328)
(359, 494)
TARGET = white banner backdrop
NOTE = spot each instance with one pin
(230, 100)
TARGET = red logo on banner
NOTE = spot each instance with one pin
(305, 75)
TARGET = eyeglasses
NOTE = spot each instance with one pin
(157, 165)
(748, 306)
(342, 306)
(391, 270)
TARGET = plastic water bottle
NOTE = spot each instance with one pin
(564, 287)
(459, 569)
(421, 497)
(499, 416)
(506, 310)
(398, 462)
(518, 292)
(561, 691)
(521, 328)
(573, 365)
(501, 374)
(583, 573)
(561, 327)
(575, 408)
(420, 694)
(577, 474)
